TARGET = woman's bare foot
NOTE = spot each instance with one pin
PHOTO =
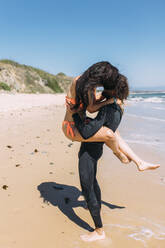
(93, 236)
(142, 166)
(123, 158)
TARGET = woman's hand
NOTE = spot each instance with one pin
(70, 108)
(93, 107)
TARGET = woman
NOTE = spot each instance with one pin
(81, 96)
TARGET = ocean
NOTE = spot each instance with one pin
(142, 194)
(146, 112)
(142, 221)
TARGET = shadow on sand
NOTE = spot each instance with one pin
(65, 197)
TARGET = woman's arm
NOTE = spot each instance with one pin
(72, 89)
(95, 103)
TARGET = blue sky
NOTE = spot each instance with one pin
(70, 35)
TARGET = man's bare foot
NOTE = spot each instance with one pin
(147, 166)
(93, 236)
(123, 158)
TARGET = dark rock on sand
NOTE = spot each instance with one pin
(5, 187)
(9, 146)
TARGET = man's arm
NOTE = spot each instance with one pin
(87, 130)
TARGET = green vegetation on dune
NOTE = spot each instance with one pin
(51, 79)
(10, 62)
(58, 83)
(4, 86)
(61, 74)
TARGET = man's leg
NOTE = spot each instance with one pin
(87, 177)
(96, 186)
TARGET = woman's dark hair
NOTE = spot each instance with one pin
(119, 87)
(96, 75)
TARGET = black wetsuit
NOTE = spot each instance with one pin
(90, 152)
(109, 116)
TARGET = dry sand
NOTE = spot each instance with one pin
(40, 192)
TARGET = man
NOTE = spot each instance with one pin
(89, 155)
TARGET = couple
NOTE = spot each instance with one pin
(93, 133)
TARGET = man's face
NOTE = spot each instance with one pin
(108, 93)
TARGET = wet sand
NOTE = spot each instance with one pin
(41, 203)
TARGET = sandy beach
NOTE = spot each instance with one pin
(41, 203)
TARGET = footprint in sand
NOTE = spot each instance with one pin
(162, 180)
(71, 173)
(16, 210)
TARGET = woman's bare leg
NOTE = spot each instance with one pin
(113, 144)
(103, 135)
(141, 164)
